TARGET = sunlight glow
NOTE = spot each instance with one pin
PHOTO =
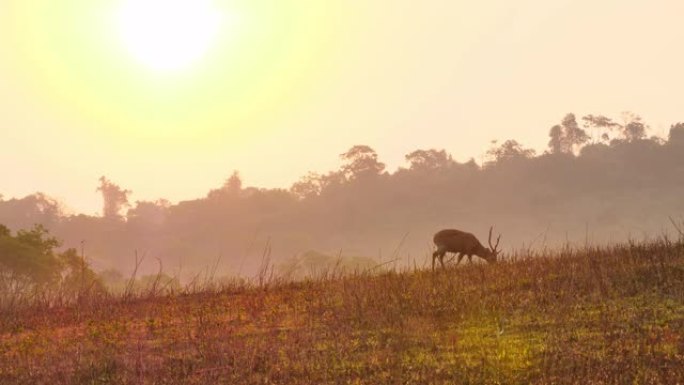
(168, 35)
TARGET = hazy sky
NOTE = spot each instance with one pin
(276, 88)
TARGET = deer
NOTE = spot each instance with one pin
(463, 244)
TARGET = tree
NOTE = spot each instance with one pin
(361, 161)
(602, 124)
(308, 186)
(114, 197)
(77, 278)
(422, 160)
(574, 135)
(634, 130)
(32, 209)
(232, 187)
(509, 150)
(27, 260)
(149, 213)
(556, 141)
(676, 136)
(567, 136)
(599, 121)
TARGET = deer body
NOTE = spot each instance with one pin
(463, 244)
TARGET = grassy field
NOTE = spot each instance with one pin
(592, 316)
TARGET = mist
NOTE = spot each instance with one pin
(600, 181)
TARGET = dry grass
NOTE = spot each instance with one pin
(596, 316)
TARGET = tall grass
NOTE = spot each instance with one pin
(592, 315)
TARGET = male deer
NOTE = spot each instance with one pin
(463, 244)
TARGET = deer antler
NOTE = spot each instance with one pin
(498, 239)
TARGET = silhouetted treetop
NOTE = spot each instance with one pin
(149, 213)
(508, 150)
(361, 161)
(114, 198)
(421, 160)
(232, 187)
(676, 136)
(599, 121)
(308, 186)
(567, 136)
(31, 209)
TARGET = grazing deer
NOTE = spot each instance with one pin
(463, 244)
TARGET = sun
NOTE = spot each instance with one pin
(168, 35)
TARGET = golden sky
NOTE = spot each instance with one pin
(276, 88)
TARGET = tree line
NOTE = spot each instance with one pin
(599, 180)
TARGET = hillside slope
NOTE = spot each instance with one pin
(601, 315)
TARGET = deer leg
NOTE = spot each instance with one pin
(470, 258)
(438, 254)
(460, 257)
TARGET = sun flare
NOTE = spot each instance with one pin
(168, 35)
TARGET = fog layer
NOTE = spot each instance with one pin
(600, 181)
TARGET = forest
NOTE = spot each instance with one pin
(600, 180)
